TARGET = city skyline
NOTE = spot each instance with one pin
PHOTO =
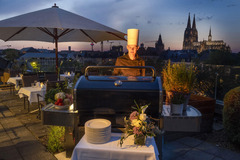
(153, 17)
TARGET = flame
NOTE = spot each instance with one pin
(71, 107)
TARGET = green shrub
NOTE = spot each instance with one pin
(179, 77)
(56, 139)
(231, 115)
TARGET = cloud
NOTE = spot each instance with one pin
(203, 18)
(149, 21)
(231, 5)
(176, 23)
(180, 23)
(22, 6)
(209, 17)
(17, 7)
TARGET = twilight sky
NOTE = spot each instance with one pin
(151, 17)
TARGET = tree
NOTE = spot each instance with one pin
(221, 57)
(11, 54)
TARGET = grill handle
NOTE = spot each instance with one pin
(121, 67)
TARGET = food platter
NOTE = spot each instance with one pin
(65, 107)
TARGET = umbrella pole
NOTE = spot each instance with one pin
(56, 51)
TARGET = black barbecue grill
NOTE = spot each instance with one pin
(111, 97)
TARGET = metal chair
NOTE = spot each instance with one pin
(27, 81)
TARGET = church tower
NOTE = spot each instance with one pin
(194, 31)
(210, 35)
(187, 42)
(159, 45)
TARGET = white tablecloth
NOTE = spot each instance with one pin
(112, 150)
(32, 92)
(66, 76)
(16, 81)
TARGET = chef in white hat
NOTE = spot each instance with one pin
(132, 58)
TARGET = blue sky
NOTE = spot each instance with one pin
(152, 17)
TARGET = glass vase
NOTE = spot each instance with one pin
(140, 140)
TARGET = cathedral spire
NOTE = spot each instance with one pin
(210, 35)
(160, 39)
(189, 22)
(159, 45)
(194, 23)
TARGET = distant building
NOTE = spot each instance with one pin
(190, 41)
(152, 51)
(190, 34)
(45, 51)
(117, 48)
(181, 55)
(29, 50)
(141, 50)
(159, 45)
(44, 59)
(210, 45)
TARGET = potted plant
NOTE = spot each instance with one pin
(177, 101)
(139, 125)
(178, 77)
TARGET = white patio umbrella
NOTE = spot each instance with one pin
(56, 25)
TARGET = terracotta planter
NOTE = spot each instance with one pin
(177, 109)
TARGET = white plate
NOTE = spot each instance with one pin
(98, 123)
(98, 131)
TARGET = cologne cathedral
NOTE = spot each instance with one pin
(191, 42)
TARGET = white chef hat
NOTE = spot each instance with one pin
(132, 36)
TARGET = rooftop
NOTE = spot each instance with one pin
(40, 55)
(24, 137)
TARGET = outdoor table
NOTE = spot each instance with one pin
(112, 150)
(31, 93)
(66, 76)
(15, 80)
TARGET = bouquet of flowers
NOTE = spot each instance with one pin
(138, 125)
(62, 99)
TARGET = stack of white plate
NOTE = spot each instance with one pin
(98, 131)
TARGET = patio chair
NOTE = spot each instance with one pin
(5, 77)
(4, 85)
(27, 80)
